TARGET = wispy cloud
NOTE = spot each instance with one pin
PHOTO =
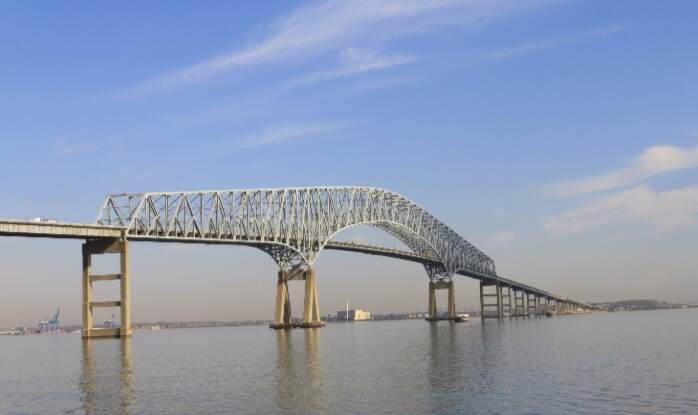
(336, 24)
(553, 43)
(653, 161)
(277, 134)
(502, 238)
(355, 61)
(79, 146)
(65, 146)
(661, 211)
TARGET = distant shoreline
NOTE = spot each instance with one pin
(631, 305)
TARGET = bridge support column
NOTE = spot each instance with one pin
(506, 303)
(311, 306)
(283, 301)
(433, 314)
(532, 300)
(451, 301)
(519, 304)
(490, 309)
(97, 247)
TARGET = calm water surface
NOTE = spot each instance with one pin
(603, 363)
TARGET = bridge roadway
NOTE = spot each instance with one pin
(409, 256)
(292, 225)
(106, 234)
(66, 230)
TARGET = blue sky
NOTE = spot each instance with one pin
(559, 136)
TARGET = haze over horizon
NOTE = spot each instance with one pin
(560, 137)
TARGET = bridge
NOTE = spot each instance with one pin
(292, 225)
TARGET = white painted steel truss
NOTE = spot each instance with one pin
(292, 224)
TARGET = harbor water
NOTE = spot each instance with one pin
(643, 362)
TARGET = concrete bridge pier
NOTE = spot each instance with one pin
(519, 304)
(282, 313)
(506, 302)
(565, 308)
(311, 306)
(489, 309)
(97, 247)
(433, 314)
(532, 304)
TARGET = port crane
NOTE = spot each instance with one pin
(47, 326)
(110, 323)
(53, 323)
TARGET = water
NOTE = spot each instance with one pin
(627, 362)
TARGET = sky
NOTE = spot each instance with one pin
(560, 137)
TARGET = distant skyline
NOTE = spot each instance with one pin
(559, 136)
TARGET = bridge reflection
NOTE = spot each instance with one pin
(299, 378)
(106, 380)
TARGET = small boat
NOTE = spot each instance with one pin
(550, 313)
(461, 318)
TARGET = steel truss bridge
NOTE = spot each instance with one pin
(292, 225)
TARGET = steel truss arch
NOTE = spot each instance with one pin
(291, 224)
(411, 240)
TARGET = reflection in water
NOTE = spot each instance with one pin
(107, 376)
(448, 378)
(601, 363)
(491, 351)
(299, 377)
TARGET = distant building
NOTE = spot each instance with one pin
(354, 315)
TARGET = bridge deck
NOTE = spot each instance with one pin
(50, 229)
(409, 256)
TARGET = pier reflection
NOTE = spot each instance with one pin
(445, 359)
(450, 379)
(107, 377)
(299, 379)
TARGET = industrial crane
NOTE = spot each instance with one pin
(53, 323)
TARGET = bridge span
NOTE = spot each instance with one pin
(292, 225)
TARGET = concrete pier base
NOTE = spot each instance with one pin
(491, 305)
(433, 314)
(311, 306)
(97, 247)
(297, 325)
(519, 304)
(506, 308)
(532, 309)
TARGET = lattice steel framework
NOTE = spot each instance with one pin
(292, 224)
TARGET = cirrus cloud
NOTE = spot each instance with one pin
(355, 61)
(660, 210)
(653, 161)
(502, 238)
(324, 27)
